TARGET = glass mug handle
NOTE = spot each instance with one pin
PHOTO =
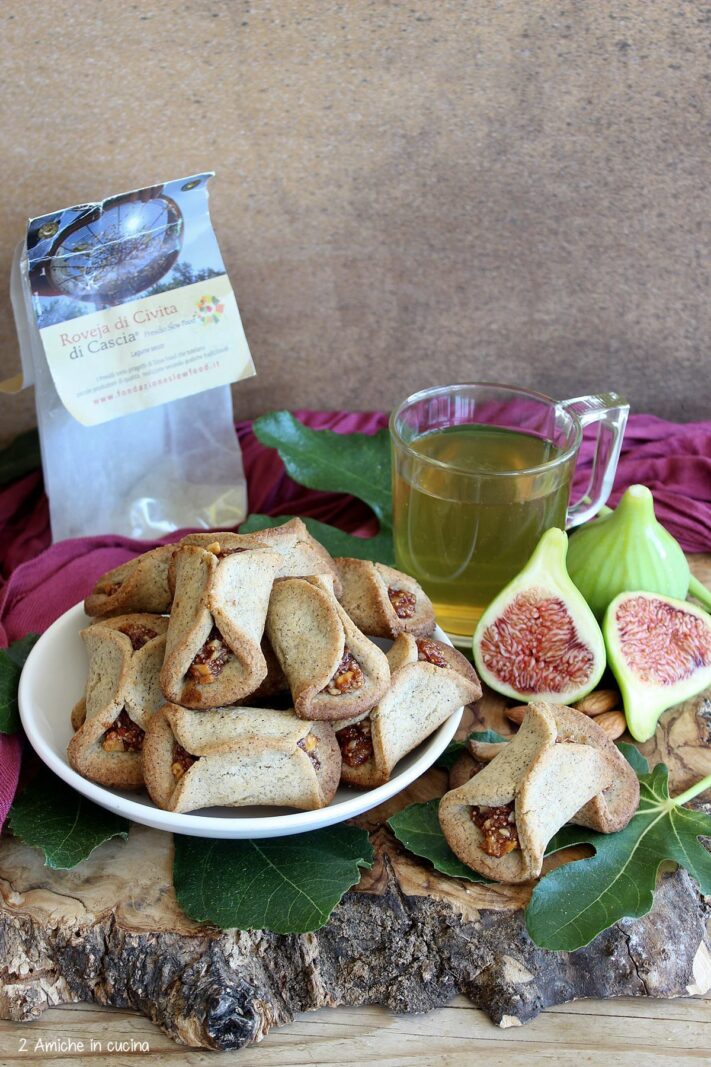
(610, 411)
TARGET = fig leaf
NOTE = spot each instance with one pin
(488, 737)
(12, 660)
(573, 904)
(355, 463)
(454, 749)
(445, 761)
(417, 828)
(55, 818)
(286, 884)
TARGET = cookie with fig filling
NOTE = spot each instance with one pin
(301, 553)
(429, 681)
(382, 601)
(500, 822)
(122, 694)
(213, 654)
(334, 671)
(141, 584)
(239, 756)
(609, 810)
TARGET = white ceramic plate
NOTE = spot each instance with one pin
(53, 680)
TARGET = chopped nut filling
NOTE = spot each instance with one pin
(498, 826)
(429, 650)
(348, 677)
(308, 744)
(123, 736)
(210, 660)
(403, 602)
(356, 743)
(138, 634)
(182, 761)
(108, 588)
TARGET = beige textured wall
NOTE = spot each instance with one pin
(407, 193)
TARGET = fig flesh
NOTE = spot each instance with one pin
(659, 649)
(538, 639)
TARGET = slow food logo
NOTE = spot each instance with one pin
(209, 309)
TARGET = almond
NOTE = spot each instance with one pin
(517, 714)
(613, 723)
(598, 702)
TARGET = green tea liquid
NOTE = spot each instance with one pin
(464, 533)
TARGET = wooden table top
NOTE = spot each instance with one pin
(626, 1031)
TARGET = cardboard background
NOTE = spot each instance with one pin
(406, 193)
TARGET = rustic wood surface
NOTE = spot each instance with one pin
(109, 931)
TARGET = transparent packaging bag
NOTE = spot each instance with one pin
(147, 472)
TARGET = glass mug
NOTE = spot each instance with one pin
(480, 471)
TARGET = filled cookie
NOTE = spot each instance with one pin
(301, 554)
(609, 810)
(213, 651)
(382, 601)
(122, 694)
(429, 681)
(500, 821)
(141, 584)
(334, 671)
(237, 757)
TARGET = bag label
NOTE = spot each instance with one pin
(132, 301)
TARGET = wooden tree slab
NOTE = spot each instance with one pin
(110, 931)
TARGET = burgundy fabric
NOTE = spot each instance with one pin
(39, 581)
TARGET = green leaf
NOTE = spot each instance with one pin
(445, 761)
(20, 457)
(455, 748)
(355, 463)
(55, 818)
(634, 757)
(488, 737)
(417, 828)
(286, 884)
(12, 660)
(378, 549)
(573, 904)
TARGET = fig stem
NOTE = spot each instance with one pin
(693, 791)
(699, 591)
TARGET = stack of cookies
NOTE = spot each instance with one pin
(238, 669)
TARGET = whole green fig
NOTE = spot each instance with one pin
(625, 550)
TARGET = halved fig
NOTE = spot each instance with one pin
(659, 649)
(538, 639)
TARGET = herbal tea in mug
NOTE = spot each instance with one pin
(479, 473)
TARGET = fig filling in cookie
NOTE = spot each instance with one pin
(108, 588)
(308, 745)
(356, 743)
(182, 761)
(124, 735)
(348, 677)
(138, 634)
(210, 660)
(403, 602)
(217, 550)
(498, 827)
(428, 650)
